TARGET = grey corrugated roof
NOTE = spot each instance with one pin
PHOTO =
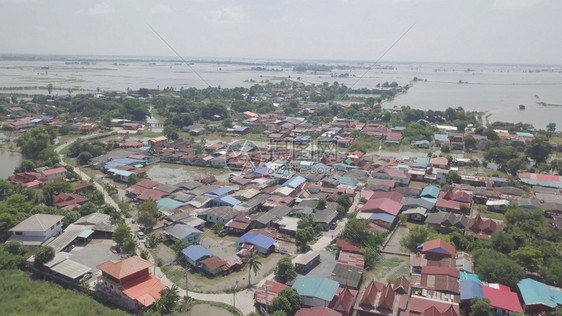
(37, 223)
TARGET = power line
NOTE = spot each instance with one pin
(177, 54)
(386, 51)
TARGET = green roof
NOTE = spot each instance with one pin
(321, 288)
(535, 292)
(523, 134)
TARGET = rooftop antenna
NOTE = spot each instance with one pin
(177, 54)
(386, 51)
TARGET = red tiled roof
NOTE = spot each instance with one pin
(146, 290)
(437, 270)
(148, 184)
(49, 172)
(348, 246)
(393, 195)
(213, 262)
(385, 205)
(449, 204)
(432, 245)
(352, 259)
(264, 296)
(343, 300)
(317, 311)
(418, 305)
(502, 298)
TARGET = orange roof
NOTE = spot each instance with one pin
(122, 268)
(145, 290)
(54, 171)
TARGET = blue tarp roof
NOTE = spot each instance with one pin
(263, 170)
(196, 252)
(294, 182)
(257, 240)
(229, 199)
(535, 292)
(219, 191)
(383, 217)
(470, 290)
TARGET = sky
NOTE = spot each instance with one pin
(474, 31)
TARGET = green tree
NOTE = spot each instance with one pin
(279, 313)
(285, 270)
(538, 149)
(169, 298)
(217, 227)
(469, 142)
(252, 263)
(171, 132)
(122, 233)
(514, 165)
(495, 267)
(528, 257)
(345, 201)
(288, 301)
(480, 307)
(453, 177)
(358, 231)
(551, 127)
(152, 241)
(501, 155)
(133, 179)
(83, 158)
(321, 204)
(148, 213)
(50, 88)
(370, 257)
(43, 254)
(303, 236)
(33, 141)
(503, 242)
(416, 236)
(552, 272)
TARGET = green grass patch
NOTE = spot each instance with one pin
(23, 296)
(228, 307)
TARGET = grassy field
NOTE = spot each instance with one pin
(23, 296)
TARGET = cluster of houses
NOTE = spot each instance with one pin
(441, 282)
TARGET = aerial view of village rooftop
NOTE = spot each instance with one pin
(278, 186)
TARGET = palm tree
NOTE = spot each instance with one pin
(251, 261)
(169, 297)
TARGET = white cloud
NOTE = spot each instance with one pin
(101, 9)
(160, 9)
(227, 15)
(514, 4)
(279, 19)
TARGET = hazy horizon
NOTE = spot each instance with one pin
(445, 31)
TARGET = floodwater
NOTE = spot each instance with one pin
(206, 309)
(9, 160)
(498, 89)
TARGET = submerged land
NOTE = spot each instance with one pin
(282, 198)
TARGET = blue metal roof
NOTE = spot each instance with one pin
(470, 290)
(441, 137)
(167, 204)
(348, 180)
(229, 199)
(535, 292)
(122, 162)
(294, 182)
(421, 162)
(257, 240)
(321, 288)
(196, 252)
(120, 172)
(219, 191)
(383, 217)
(430, 191)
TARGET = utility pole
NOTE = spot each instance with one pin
(266, 299)
(234, 295)
(186, 282)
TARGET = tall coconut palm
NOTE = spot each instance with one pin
(252, 263)
(169, 297)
